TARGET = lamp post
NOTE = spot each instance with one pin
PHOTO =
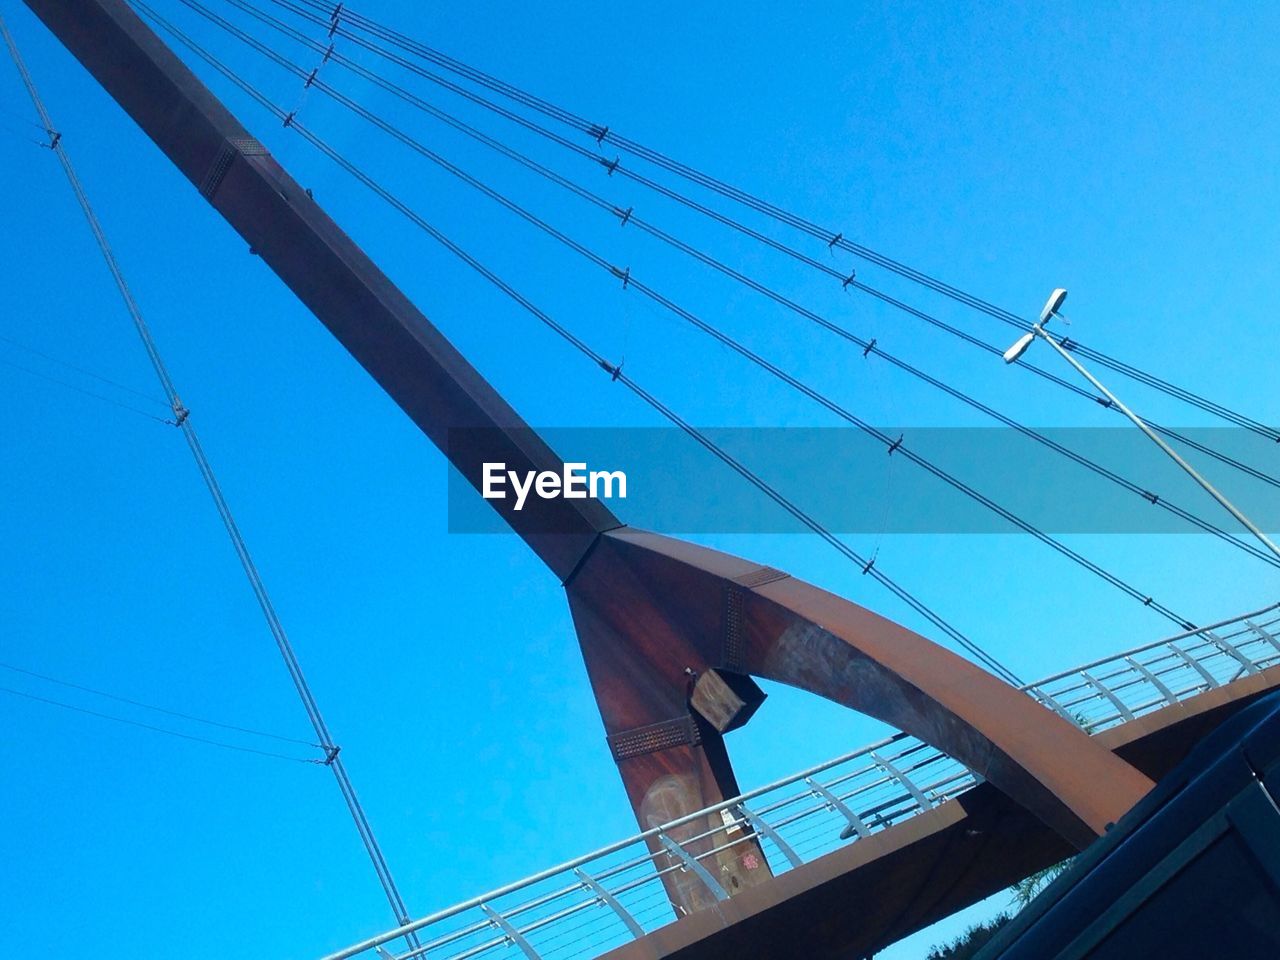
(1015, 352)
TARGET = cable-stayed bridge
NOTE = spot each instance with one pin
(865, 848)
(991, 778)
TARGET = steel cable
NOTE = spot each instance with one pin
(602, 134)
(580, 345)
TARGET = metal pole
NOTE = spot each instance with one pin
(1191, 471)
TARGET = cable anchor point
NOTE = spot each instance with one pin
(834, 240)
(614, 371)
(896, 444)
(54, 139)
(623, 275)
(869, 347)
(599, 133)
(844, 284)
(331, 754)
(288, 120)
(611, 165)
(311, 79)
(626, 216)
(866, 567)
(180, 413)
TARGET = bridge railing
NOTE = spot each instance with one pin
(603, 899)
(1117, 689)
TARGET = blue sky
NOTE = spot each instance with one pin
(1125, 153)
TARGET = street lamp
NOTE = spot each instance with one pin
(1015, 352)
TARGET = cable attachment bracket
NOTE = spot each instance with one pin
(623, 275)
(866, 567)
(311, 79)
(844, 284)
(180, 413)
(288, 119)
(55, 137)
(834, 240)
(868, 348)
(335, 20)
(612, 165)
(626, 216)
(896, 444)
(1154, 498)
(598, 133)
(614, 371)
(331, 754)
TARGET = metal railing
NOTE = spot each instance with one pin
(1117, 689)
(606, 898)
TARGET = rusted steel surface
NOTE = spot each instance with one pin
(652, 610)
(433, 383)
(652, 613)
(642, 660)
(861, 898)
(899, 792)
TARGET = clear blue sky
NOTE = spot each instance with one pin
(1126, 152)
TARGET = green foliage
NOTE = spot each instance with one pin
(970, 942)
(1024, 891)
(976, 937)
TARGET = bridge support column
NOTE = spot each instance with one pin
(650, 609)
(643, 670)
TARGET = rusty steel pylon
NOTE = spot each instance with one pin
(671, 632)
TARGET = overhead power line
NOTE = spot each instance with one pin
(613, 168)
(83, 371)
(150, 706)
(629, 217)
(155, 729)
(182, 419)
(346, 19)
(581, 346)
(113, 401)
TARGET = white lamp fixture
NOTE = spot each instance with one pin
(1020, 347)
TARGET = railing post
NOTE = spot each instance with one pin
(1195, 665)
(1153, 680)
(916, 793)
(761, 826)
(1269, 637)
(510, 932)
(855, 823)
(607, 898)
(1045, 697)
(1246, 665)
(690, 863)
(1107, 692)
